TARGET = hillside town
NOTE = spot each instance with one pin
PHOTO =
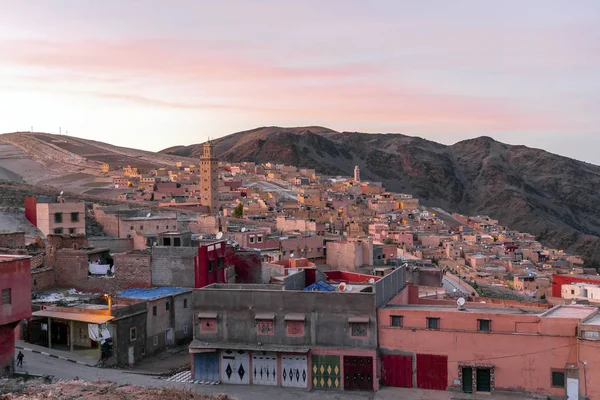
(275, 275)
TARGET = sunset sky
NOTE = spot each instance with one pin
(152, 74)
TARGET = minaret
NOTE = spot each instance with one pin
(356, 174)
(209, 179)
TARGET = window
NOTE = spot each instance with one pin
(483, 378)
(131, 227)
(155, 340)
(155, 311)
(6, 296)
(208, 325)
(141, 227)
(558, 379)
(396, 320)
(132, 334)
(251, 239)
(591, 335)
(185, 329)
(210, 266)
(259, 239)
(58, 217)
(177, 242)
(74, 217)
(72, 231)
(58, 231)
(433, 323)
(359, 329)
(318, 249)
(294, 328)
(184, 303)
(572, 291)
(484, 325)
(265, 327)
(167, 306)
(284, 253)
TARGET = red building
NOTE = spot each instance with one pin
(15, 304)
(214, 259)
(565, 279)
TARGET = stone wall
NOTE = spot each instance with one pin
(12, 240)
(173, 266)
(115, 245)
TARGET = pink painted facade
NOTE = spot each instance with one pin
(521, 351)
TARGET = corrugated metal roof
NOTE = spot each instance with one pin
(150, 294)
(320, 286)
(73, 316)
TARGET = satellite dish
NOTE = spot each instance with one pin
(461, 301)
(148, 215)
(243, 229)
(342, 287)
(61, 192)
(348, 288)
(155, 244)
(220, 235)
(372, 280)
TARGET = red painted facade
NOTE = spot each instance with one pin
(209, 265)
(432, 372)
(559, 280)
(31, 210)
(396, 370)
(15, 277)
(350, 277)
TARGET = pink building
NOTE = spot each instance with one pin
(15, 304)
(487, 349)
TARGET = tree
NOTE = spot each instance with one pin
(388, 241)
(238, 211)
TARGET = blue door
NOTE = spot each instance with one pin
(206, 366)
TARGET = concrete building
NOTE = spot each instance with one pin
(309, 332)
(56, 215)
(209, 178)
(169, 317)
(350, 254)
(15, 305)
(483, 348)
(581, 291)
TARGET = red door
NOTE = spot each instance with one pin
(358, 373)
(396, 371)
(432, 372)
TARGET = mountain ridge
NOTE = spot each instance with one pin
(529, 189)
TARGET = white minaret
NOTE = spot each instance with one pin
(356, 174)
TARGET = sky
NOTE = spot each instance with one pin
(154, 74)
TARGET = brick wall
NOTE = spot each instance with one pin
(12, 239)
(66, 241)
(37, 260)
(133, 270)
(42, 279)
(115, 245)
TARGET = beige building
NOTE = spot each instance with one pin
(64, 217)
(209, 175)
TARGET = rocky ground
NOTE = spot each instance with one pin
(15, 389)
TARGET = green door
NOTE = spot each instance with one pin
(326, 372)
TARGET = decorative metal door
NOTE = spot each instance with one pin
(206, 367)
(235, 367)
(358, 373)
(264, 368)
(294, 371)
(432, 372)
(326, 372)
(396, 370)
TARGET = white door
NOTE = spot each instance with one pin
(235, 367)
(294, 371)
(131, 356)
(572, 389)
(264, 368)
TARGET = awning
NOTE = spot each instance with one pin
(73, 316)
(264, 316)
(358, 320)
(294, 317)
(207, 315)
(197, 345)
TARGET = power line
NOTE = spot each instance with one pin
(514, 355)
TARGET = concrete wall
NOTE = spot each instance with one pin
(126, 318)
(173, 266)
(177, 317)
(326, 314)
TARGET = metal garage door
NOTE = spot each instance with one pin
(294, 371)
(235, 367)
(432, 372)
(326, 372)
(396, 370)
(264, 368)
(206, 366)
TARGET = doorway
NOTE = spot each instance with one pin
(467, 379)
(484, 379)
